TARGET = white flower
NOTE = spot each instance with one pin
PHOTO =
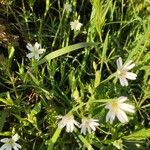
(122, 72)
(117, 109)
(67, 121)
(75, 25)
(68, 7)
(10, 143)
(88, 125)
(35, 50)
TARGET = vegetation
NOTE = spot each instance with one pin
(75, 73)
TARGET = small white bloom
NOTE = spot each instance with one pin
(122, 72)
(75, 25)
(10, 143)
(117, 109)
(35, 50)
(68, 7)
(68, 121)
(88, 124)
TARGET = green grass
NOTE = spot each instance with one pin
(75, 74)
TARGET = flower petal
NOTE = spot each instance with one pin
(4, 147)
(15, 137)
(122, 99)
(107, 106)
(36, 45)
(16, 145)
(4, 140)
(76, 123)
(61, 124)
(41, 51)
(128, 66)
(123, 81)
(127, 107)
(30, 55)
(69, 127)
(79, 25)
(15, 148)
(59, 117)
(92, 126)
(121, 115)
(130, 75)
(83, 130)
(72, 25)
(89, 129)
(110, 116)
(119, 62)
(29, 47)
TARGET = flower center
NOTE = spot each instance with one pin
(35, 51)
(121, 73)
(10, 142)
(75, 24)
(86, 123)
(68, 119)
(114, 105)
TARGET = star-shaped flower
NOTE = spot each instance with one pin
(75, 25)
(35, 50)
(123, 72)
(88, 124)
(117, 109)
(68, 121)
(10, 143)
(68, 7)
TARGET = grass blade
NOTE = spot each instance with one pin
(63, 51)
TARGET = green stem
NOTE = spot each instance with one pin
(57, 32)
(109, 78)
(53, 140)
(86, 143)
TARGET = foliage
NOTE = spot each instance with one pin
(75, 74)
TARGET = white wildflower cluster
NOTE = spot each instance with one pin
(117, 107)
(36, 50)
(68, 121)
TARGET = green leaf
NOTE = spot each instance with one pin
(31, 2)
(31, 117)
(97, 78)
(36, 109)
(7, 133)
(103, 56)
(138, 46)
(7, 101)
(85, 142)
(118, 144)
(11, 51)
(54, 138)
(138, 135)
(48, 5)
(3, 115)
(100, 11)
(63, 51)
